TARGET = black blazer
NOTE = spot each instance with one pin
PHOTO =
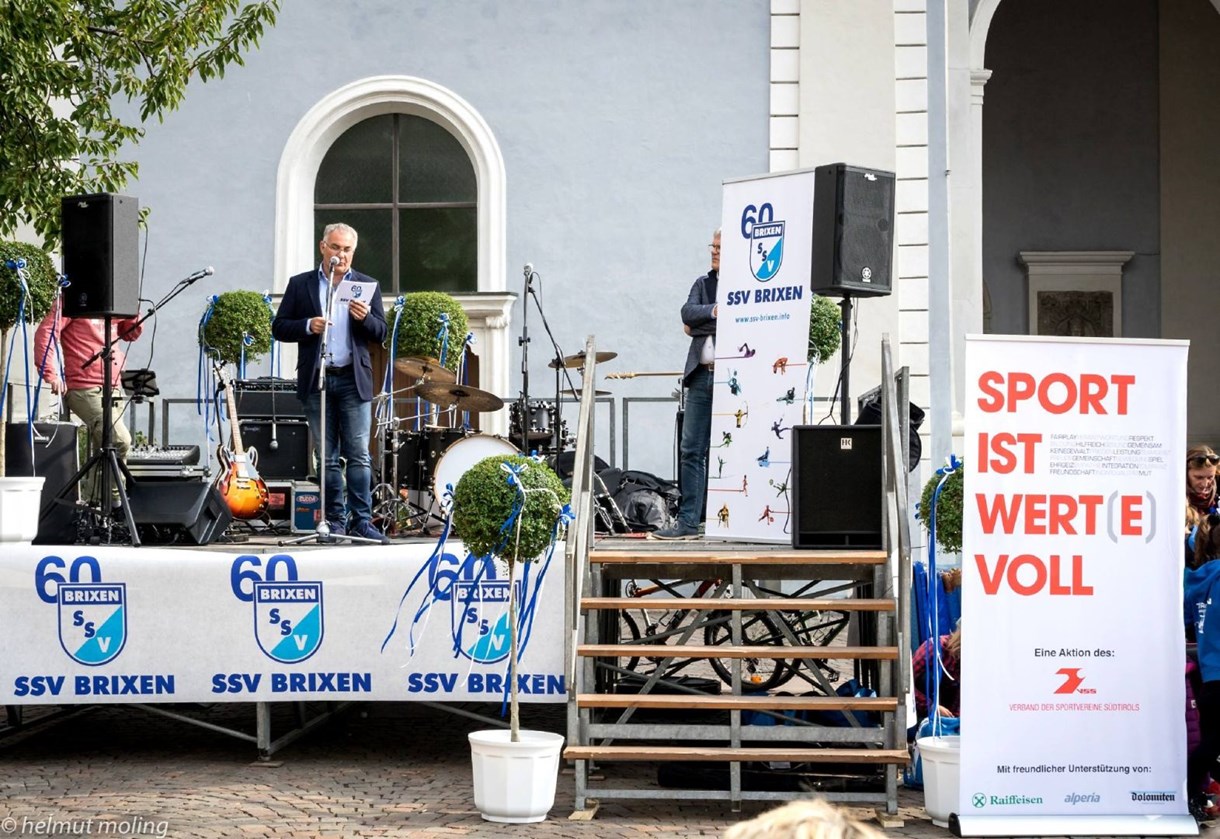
(291, 323)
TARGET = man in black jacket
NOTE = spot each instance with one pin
(349, 375)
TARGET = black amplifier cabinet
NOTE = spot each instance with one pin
(837, 492)
(282, 445)
(267, 397)
(55, 458)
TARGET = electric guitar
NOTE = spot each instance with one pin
(239, 482)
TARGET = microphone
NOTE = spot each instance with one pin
(275, 444)
(529, 270)
(200, 274)
(334, 260)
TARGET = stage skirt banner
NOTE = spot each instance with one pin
(762, 339)
(1072, 631)
(405, 622)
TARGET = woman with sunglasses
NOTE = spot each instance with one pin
(1201, 464)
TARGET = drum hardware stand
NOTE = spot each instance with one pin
(392, 504)
(112, 468)
(524, 343)
(561, 372)
(322, 532)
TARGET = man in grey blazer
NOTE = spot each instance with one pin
(699, 322)
(301, 319)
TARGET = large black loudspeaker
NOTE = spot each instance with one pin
(853, 224)
(288, 458)
(101, 255)
(837, 497)
(176, 511)
(55, 458)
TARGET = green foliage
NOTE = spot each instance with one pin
(40, 276)
(483, 500)
(420, 324)
(825, 329)
(948, 509)
(235, 313)
(90, 54)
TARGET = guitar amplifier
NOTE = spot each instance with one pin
(267, 397)
(283, 447)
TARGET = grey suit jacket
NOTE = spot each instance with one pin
(697, 314)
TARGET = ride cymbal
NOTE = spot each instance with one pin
(428, 369)
(462, 397)
(578, 360)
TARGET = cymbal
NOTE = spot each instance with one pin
(578, 360)
(576, 392)
(462, 397)
(428, 369)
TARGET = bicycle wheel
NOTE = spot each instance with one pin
(816, 629)
(632, 636)
(757, 629)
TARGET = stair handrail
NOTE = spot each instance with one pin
(896, 428)
(580, 534)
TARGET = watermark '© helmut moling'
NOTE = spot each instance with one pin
(51, 826)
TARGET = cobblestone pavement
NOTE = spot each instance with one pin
(379, 769)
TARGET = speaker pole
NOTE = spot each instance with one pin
(845, 361)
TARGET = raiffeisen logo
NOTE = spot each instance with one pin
(981, 800)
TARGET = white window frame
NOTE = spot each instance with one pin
(489, 309)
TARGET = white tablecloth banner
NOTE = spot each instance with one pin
(122, 624)
(1072, 630)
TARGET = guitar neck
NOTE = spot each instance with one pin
(233, 425)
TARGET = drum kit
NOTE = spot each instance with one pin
(418, 463)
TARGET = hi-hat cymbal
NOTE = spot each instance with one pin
(462, 397)
(578, 360)
(577, 392)
(428, 369)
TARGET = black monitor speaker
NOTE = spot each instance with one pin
(101, 255)
(853, 231)
(55, 458)
(168, 512)
(837, 497)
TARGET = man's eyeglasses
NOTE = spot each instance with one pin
(714, 248)
(1201, 460)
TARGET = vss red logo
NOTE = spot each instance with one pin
(1072, 681)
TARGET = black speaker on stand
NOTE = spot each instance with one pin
(853, 230)
(101, 236)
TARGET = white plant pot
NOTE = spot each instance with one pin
(515, 782)
(941, 775)
(20, 503)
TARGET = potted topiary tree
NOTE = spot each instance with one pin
(419, 332)
(512, 507)
(20, 496)
(948, 506)
(240, 323)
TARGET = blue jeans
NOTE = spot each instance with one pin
(693, 450)
(348, 420)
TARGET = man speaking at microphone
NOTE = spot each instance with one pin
(301, 319)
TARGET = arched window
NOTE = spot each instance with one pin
(408, 187)
(418, 241)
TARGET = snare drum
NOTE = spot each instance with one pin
(463, 456)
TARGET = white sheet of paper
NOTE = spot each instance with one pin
(349, 290)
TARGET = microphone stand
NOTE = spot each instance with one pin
(523, 410)
(322, 532)
(560, 371)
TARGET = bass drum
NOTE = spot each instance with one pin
(461, 457)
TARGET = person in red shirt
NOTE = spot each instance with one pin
(81, 384)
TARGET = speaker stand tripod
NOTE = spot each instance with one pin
(845, 360)
(113, 471)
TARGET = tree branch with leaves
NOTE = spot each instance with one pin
(65, 64)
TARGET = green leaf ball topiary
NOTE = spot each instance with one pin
(236, 313)
(420, 323)
(483, 501)
(825, 329)
(948, 509)
(40, 276)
